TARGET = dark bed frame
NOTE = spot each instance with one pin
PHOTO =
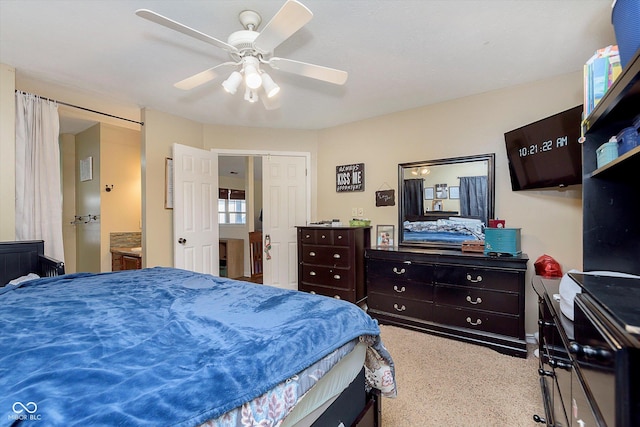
(21, 258)
(354, 407)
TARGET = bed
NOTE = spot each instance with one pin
(18, 259)
(163, 346)
(443, 230)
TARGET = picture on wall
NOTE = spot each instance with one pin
(437, 205)
(428, 193)
(454, 192)
(385, 235)
(442, 191)
(168, 183)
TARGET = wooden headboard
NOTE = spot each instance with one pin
(21, 258)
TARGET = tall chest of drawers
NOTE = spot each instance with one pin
(466, 296)
(331, 261)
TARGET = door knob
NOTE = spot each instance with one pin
(182, 241)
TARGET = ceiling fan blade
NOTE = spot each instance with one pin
(169, 23)
(202, 77)
(318, 72)
(289, 19)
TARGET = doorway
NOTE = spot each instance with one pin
(108, 200)
(276, 204)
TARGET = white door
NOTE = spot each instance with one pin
(195, 213)
(284, 207)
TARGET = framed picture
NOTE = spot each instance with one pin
(454, 192)
(428, 193)
(437, 205)
(442, 191)
(168, 183)
(384, 235)
(86, 169)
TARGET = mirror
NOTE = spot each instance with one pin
(445, 202)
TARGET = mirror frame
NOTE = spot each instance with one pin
(489, 158)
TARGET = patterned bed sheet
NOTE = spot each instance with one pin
(271, 408)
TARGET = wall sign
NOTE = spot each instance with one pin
(350, 178)
(385, 198)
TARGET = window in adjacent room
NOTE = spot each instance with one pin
(232, 206)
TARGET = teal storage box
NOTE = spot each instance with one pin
(502, 241)
(607, 152)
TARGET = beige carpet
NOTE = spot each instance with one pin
(448, 382)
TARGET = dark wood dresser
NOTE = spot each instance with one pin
(589, 366)
(331, 261)
(466, 296)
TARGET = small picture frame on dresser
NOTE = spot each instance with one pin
(384, 235)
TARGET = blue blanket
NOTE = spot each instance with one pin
(157, 347)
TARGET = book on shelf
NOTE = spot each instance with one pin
(600, 71)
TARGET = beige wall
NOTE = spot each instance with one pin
(120, 208)
(88, 201)
(551, 220)
(159, 133)
(7, 154)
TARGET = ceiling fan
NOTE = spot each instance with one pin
(251, 50)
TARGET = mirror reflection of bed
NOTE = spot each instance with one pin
(445, 202)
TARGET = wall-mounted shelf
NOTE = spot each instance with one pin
(616, 164)
(611, 194)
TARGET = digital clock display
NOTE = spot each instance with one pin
(546, 153)
(544, 146)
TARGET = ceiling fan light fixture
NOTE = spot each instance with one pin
(251, 74)
(232, 83)
(270, 87)
(251, 95)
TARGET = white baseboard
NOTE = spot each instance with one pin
(531, 339)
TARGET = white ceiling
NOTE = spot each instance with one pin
(400, 54)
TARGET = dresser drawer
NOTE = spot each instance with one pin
(337, 256)
(478, 320)
(480, 299)
(400, 306)
(344, 294)
(503, 280)
(394, 287)
(398, 270)
(328, 276)
(328, 236)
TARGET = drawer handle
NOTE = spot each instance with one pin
(336, 276)
(336, 256)
(401, 271)
(312, 253)
(307, 236)
(323, 237)
(401, 290)
(590, 353)
(337, 297)
(339, 237)
(477, 301)
(403, 308)
(476, 323)
(476, 280)
(312, 273)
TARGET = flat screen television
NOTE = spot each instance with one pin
(546, 153)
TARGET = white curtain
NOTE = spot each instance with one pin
(38, 190)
